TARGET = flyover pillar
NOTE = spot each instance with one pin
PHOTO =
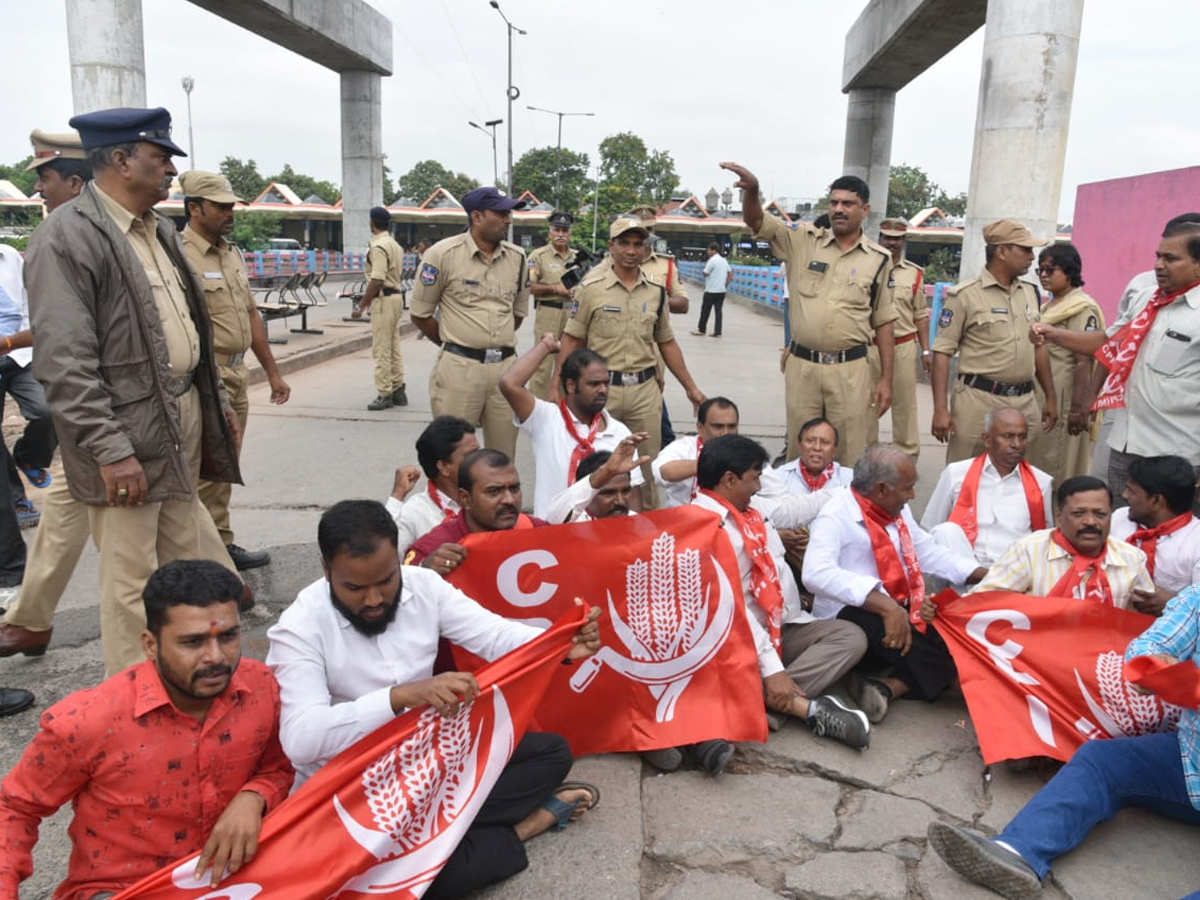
(870, 114)
(108, 59)
(1026, 84)
(362, 155)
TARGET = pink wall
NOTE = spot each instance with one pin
(1118, 223)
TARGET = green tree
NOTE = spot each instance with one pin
(21, 179)
(536, 171)
(252, 230)
(245, 179)
(626, 164)
(427, 176)
(943, 265)
(305, 185)
(910, 190)
(952, 206)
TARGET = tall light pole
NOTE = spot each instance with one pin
(188, 83)
(492, 125)
(558, 153)
(513, 93)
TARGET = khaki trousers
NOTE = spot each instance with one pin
(546, 319)
(816, 654)
(385, 343)
(134, 541)
(61, 536)
(640, 408)
(906, 430)
(215, 495)
(840, 392)
(968, 408)
(471, 390)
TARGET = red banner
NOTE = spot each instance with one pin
(1041, 675)
(384, 815)
(678, 663)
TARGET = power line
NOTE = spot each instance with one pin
(463, 51)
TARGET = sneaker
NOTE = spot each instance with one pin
(27, 514)
(247, 559)
(873, 697)
(983, 861)
(713, 756)
(829, 717)
(39, 478)
(698, 333)
(399, 398)
(668, 759)
(384, 401)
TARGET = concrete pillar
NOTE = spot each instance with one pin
(362, 156)
(1025, 87)
(108, 59)
(870, 113)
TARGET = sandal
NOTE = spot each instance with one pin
(39, 478)
(561, 809)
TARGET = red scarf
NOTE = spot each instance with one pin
(816, 482)
(966, 510)
(695, 480)
(435, 496)
(1098, 588)
(901, 578)
(1120, 351)
(584, 447)
(1146, 539)
(764, 576)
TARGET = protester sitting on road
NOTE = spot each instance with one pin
(144, 757)
(603, 488)
(357, 648)
(440, 448)
(674, 468)
(815, 468)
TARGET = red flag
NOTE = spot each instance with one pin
(1178, 683)
(678, 663)
(384, 815)
(1041, 675)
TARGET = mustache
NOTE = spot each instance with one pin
(508, 508)
(213, 672)
(1089, 530)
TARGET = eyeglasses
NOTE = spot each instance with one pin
(1048, 270)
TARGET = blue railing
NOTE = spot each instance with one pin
(763, 284)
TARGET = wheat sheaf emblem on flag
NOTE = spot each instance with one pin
(1121, 710)
(668, 631)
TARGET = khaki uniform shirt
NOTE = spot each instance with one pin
(836, 299)
(170, 297)
(547, 267)
(480, 299)
(385, 259)
(658, 269)
(908, 296)
(621, 324)
(988, 324)
(226, 290)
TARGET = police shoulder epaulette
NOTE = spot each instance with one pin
(956, 289)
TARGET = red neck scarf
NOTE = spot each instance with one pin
(436, 496)
(1098, 588)
(584, 447)
(816, 482)
(901, 578)
(966, 510)
(1120, 351)
(764, 576)
(695, 480)
(1146, 539)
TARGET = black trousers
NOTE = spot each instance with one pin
(711, 303)
(12, 545)
(34, 449)
(490, 850)
(928, 669)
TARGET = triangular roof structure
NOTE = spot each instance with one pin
(315, 199)
(530, 199)
(280, 195)
(929, 216)
(9, 191)
(440, 199)
(776, 210)
(690, 208)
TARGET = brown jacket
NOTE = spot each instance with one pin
(103, 360)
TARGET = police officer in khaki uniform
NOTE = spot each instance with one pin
(661, 267)
(385, 259)
(61, 166)
(622, 314)
(479, 282)
(237, 325)
(550, 298)
(912, 333)
(986, 321)
(839, 302)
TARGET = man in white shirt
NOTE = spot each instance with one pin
(815, 468)
(602, 488)
(565, 432)
(674, 468)
(982, 506)
(440, 449)
(866, 562)
(1159, 522)
(717, 278)
(356, 648)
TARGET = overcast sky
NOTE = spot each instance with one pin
(764, 90)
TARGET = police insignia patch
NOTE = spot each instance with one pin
(429, 273)
(795, 226)
(945, 318)
(574, 308)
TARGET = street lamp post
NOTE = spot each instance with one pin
(558, 153)
(492, 125)
(188, 83)
(513, 93)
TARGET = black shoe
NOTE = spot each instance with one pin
(13, 700)
(399, 398)
(383, 401)
(247, 559)
(983, 861)
(829, 717)
(713, 755)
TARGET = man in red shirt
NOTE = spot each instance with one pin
(175, 755)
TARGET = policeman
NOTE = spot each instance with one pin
(986, 321)
(661, 267)
(839, 302)
(236, 321)
(622, 314)
(479, 282)
(60, 164)
(911, 326)
(550, 297)
(385, 259)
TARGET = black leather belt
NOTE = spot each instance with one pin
(490, 355)
(229, 359)
(178, 385)
(828, 358)
(629, 379)
(553, 304)
(389, 292)
(999, 388)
